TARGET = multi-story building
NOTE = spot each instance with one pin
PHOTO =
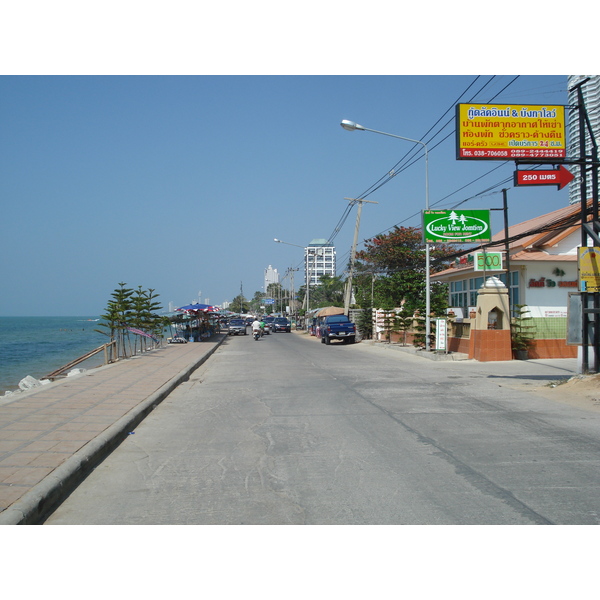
(591, 97)
(319, 260)
(271, 276)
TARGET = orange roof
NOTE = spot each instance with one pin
(536, 255)
(544, 239)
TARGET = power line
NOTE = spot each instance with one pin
(396, 169)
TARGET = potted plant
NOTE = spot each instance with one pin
(521, 332)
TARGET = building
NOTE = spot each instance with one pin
(543, 270)
(271, 276)
(319, 260)
(591, 97)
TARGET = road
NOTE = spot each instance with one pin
(289, 431)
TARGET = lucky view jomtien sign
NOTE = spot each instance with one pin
(500, 131)
(459, 226)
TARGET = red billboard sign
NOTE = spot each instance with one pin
(559, 177)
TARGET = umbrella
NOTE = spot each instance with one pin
(196, 307)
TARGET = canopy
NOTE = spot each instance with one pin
(329, 310)
(206, 307)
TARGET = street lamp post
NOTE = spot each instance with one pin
(352, 126)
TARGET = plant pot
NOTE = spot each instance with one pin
(472, 314)
(521, 354)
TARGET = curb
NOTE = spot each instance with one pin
(432, 355)
(38, 503)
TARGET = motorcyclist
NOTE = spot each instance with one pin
(256, 326)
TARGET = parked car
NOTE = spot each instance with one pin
(337, 327)
(282, 324)
(237, 327)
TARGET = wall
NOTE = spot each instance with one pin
(547, 294)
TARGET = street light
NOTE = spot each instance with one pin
(352, 126)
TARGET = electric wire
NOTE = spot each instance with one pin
(410, 156)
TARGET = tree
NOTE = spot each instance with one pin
(131, 308)
(239, 304)
(402, 249)
(144, 314)
(399, 260)
(365, 323)
(328, 292)
(257, 301)
(117, 317)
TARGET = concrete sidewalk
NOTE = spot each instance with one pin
(52, 437)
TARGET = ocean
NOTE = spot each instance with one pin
(37, 346)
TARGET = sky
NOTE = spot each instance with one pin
(178, 179)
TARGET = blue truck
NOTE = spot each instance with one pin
(337, 327)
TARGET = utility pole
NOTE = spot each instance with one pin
(353, 253)
(590, 229)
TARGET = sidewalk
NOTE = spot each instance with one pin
(52, 437)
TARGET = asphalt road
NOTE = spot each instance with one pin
(289, 431)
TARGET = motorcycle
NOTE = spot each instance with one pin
(256, 334)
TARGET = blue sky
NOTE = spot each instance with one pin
(181, 183)
(167, 147)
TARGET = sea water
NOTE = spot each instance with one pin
(37, 346)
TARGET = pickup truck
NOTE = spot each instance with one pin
(337, 327)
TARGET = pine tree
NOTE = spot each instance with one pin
(117, 318)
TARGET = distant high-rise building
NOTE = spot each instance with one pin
(271, 276)
(591, 97)
(319, 260)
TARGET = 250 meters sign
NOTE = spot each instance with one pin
(458, 226)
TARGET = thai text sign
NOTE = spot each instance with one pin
(441, 334)
(506, 132)
(488, 261)
(588, 263)
(559, 177)
(458, 226)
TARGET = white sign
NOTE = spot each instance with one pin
(441, 334)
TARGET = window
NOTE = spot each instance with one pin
(464, 293)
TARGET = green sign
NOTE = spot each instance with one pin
(488, 261)
(456, 226)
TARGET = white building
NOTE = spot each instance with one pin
(319, 260)
(543, 270)
(271, 276)
(591, 97)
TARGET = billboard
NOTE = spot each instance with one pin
(588, 265)
(509, 132)
(456, 226)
